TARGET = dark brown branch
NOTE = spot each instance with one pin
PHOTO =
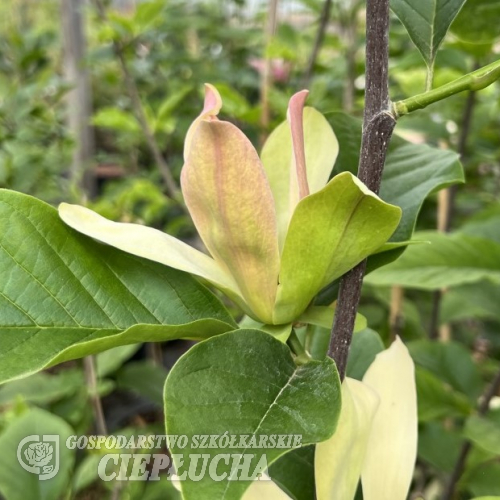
(140, 115)
(318, 42)
(459, 468)
(378, 125)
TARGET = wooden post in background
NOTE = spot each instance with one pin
(79, 98)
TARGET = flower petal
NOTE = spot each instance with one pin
(321, 150)
(330, 232)
(339, 460)
(296, 120)
(229, 199)
(211, 108)
(392, 448)
(150, 244)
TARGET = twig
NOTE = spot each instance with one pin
(395, 314)
(349, 35)
(91, 381)
(467, 446)
(436, 307)
(477, 80)
(462, 151)
(378, 125)
(318, 42)
(302, 356)
(140, 115)
(155, 353)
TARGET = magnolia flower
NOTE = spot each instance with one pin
(376, 436)
(276, 229)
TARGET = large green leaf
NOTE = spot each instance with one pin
(436, 400)
(449, 260)
(246, 383)
(294, 473)
(474, 301)
(483, 480)
(42, 388)
(438, 445)
(484, 224)
(19, 484)
(451, 362)
(484, 431)
(427, 22)
(474, 23)
(64, 296)
(411, 173)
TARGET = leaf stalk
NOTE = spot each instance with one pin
(477, 80)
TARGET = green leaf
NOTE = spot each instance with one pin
(484, 432)
(86, 472)
(144, 378)
(294, 473)
(116, 119)
(109, 361)
(474, 301)
(323, 316)
(19, 484)
(483, 479)
(484, 224)
(147, 14)
(450, 260)
(451, 362)
(320, 247)
(246, 383)
(427, 22)
(439, 446)
(411, 173)
(280, 332)
(365, 346)
(42, 388)
(171, 103)
(64, 296)
(437, 400)
(474, 22)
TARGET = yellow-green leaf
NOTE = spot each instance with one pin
(330, 232)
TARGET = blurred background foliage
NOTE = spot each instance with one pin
(163, 51)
